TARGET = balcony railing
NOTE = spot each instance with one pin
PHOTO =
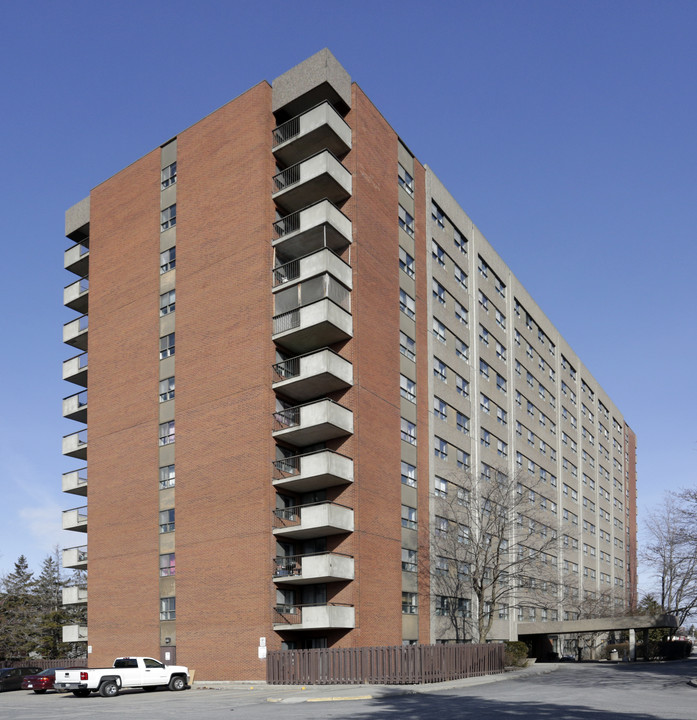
(75, 519)
(75, 557)
(76, 295)
(316, 263)
(75, 482)
(319, 128)
(313, 471)
(313, 568)
(75, 406)
(75, 445)
(313, 520)
(313, 326)
(75, 332)
(76, 258)
(313, 422)
(316, 616)
(313, 374)
(75, 369)
(319, 176)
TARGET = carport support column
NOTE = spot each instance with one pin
(632, 645)
(646, 643)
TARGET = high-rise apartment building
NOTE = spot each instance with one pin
(299, 345)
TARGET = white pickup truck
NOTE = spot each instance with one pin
(127, 672)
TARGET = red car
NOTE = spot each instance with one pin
(41, 682)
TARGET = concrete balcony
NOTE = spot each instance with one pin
(312, 423)
(320, 176)
(75, 558)
(312, 471)
(74, 633)
(75, 369)
(75, 595)
(77, 259)
(75, 482)
(308, 376)
(315, 520)
(320, 128)
(75, 407)
(75, 332)
(76, 295)
(313, 326)
(314, 617)
(315, 568)
(317, 263)
(314, 227)
(75, 519)
(75, 445)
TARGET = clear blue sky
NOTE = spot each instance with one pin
(567, 131)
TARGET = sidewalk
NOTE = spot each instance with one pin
(333, 693)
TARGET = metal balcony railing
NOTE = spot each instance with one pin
(292, 614)
(292, 515)
(288, 417)
(286, 321)
(288, 224)
(287, 177)
(287, 272)
(288, 565)
(286, 131)
(287, 369)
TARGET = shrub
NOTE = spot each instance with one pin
(516, 653)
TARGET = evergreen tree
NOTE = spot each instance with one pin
(18, 612)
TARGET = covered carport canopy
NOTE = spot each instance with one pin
(595, 625)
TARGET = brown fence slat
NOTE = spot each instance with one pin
(398, 664)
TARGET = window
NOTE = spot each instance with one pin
(483, 368)
(462, 422)
(166, 521)
(439, 330)
(485, 438)
(440, 448)
(408, 432)
(167, 565)
(440, 526)
(409, 603)
(500, 319)
(408, 517)
(168, 217)
(406, 221)
(438, 292)
(407, 388)
(440, 408)
(166, 477)
(406, 304)
(437, 214)
(501, 448)
(438, 253)
(500, 351)
(169, 175)
(461, 277)
(167, 433)
(406, 262)
(484, 403)
(484, 301)
(460, 313)
(484, 335)
(453, 606)
(440, 369)
(501, 382)
(441, 487)
(460, 241)
(407, 346)
(501, 416)
(168, 260)
(168, 608)
(461, 385)
(167, 389)
(405, 180)
(462, 459)
(408, 560)
(461, 349)
(167, 302)
(166, 346)
(408, 474)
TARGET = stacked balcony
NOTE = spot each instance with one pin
(314, 617)
(312, 282)
(75, 334)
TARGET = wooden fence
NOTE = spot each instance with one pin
(397, 665)
(44, 664)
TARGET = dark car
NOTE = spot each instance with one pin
(41, 682)
(11, 678)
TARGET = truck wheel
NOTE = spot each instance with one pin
(109, 689)
(81, 693)
(177, 683)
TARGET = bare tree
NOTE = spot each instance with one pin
(671, 553)
(494, 547)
